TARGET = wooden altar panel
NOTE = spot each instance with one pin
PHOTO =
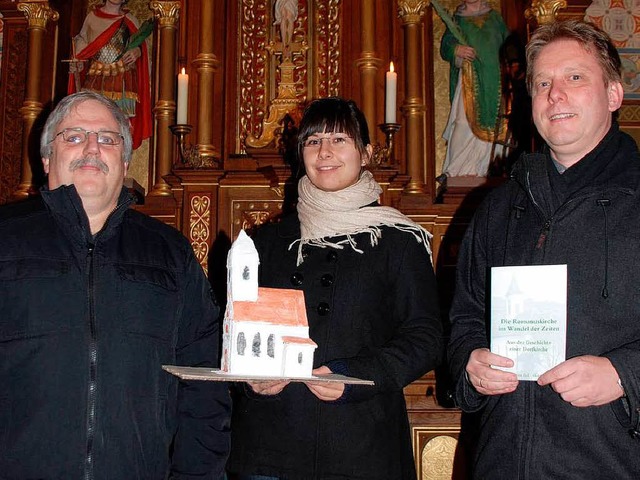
(435, 432)
(249, 199)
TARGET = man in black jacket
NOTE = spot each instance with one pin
(576, 203)
(94, 298)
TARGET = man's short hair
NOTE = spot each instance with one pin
(64, 108)
(590, 37)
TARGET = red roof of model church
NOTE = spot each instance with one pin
(275, 305)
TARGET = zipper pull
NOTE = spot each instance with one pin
(519, 211)
(543, 234)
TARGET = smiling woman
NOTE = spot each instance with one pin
(354, 261)
(335, 144)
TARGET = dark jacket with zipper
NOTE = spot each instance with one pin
(86, 323)
(374, 316)
(589, 219)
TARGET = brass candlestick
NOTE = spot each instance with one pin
(383, 154)
(190, 155)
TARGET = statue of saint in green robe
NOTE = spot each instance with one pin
(476, 130)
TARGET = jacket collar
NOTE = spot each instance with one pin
(65, 205)
(612, 164)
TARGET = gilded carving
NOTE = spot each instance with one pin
(286, 64)
(253, 67)
(437, 458)
(544, 11)
(285, 103)
(254, 218)
(199, 227)
(276, 79)
(38, 13)
(327, 46)
(279, 191)
(15, 64)
(167, 13)
(250, 214)
(412, 11)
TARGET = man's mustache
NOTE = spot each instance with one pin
(89, 162)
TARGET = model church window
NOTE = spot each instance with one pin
(255, 348)
(242, 343)
(271, 345)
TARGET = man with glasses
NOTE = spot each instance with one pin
(94, 298)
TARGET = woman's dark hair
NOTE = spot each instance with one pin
(334, 115)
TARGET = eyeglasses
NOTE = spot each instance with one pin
(77, 136)
(335, 141)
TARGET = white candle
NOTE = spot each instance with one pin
(183, 98)
(391, 92)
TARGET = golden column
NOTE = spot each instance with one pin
(206, 64)
(411, 12)
(167, 13)
(368, 64)
(38, 13)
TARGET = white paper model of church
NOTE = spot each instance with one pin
(265, 331)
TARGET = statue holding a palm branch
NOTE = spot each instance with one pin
(476, 130)
(110, 57)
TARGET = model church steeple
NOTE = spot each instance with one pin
(242, 270)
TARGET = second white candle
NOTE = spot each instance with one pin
(391, 92)
(183, 98)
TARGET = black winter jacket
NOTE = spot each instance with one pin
(589, 219)
(374, 316)
(85, 326)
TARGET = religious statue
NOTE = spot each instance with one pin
(286, 12)
(476, 131)
(110, 57)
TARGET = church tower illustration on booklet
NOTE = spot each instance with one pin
(265, 331)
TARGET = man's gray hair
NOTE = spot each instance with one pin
(64, 108)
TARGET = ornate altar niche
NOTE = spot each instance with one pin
(275, 72)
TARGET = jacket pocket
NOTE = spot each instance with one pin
(31, 291)
(14, 270)
(150, 299)
(148, 275)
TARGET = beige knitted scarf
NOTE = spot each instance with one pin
(332, 219)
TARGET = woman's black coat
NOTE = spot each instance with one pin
(374, 316)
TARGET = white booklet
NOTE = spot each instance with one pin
(529, 317)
